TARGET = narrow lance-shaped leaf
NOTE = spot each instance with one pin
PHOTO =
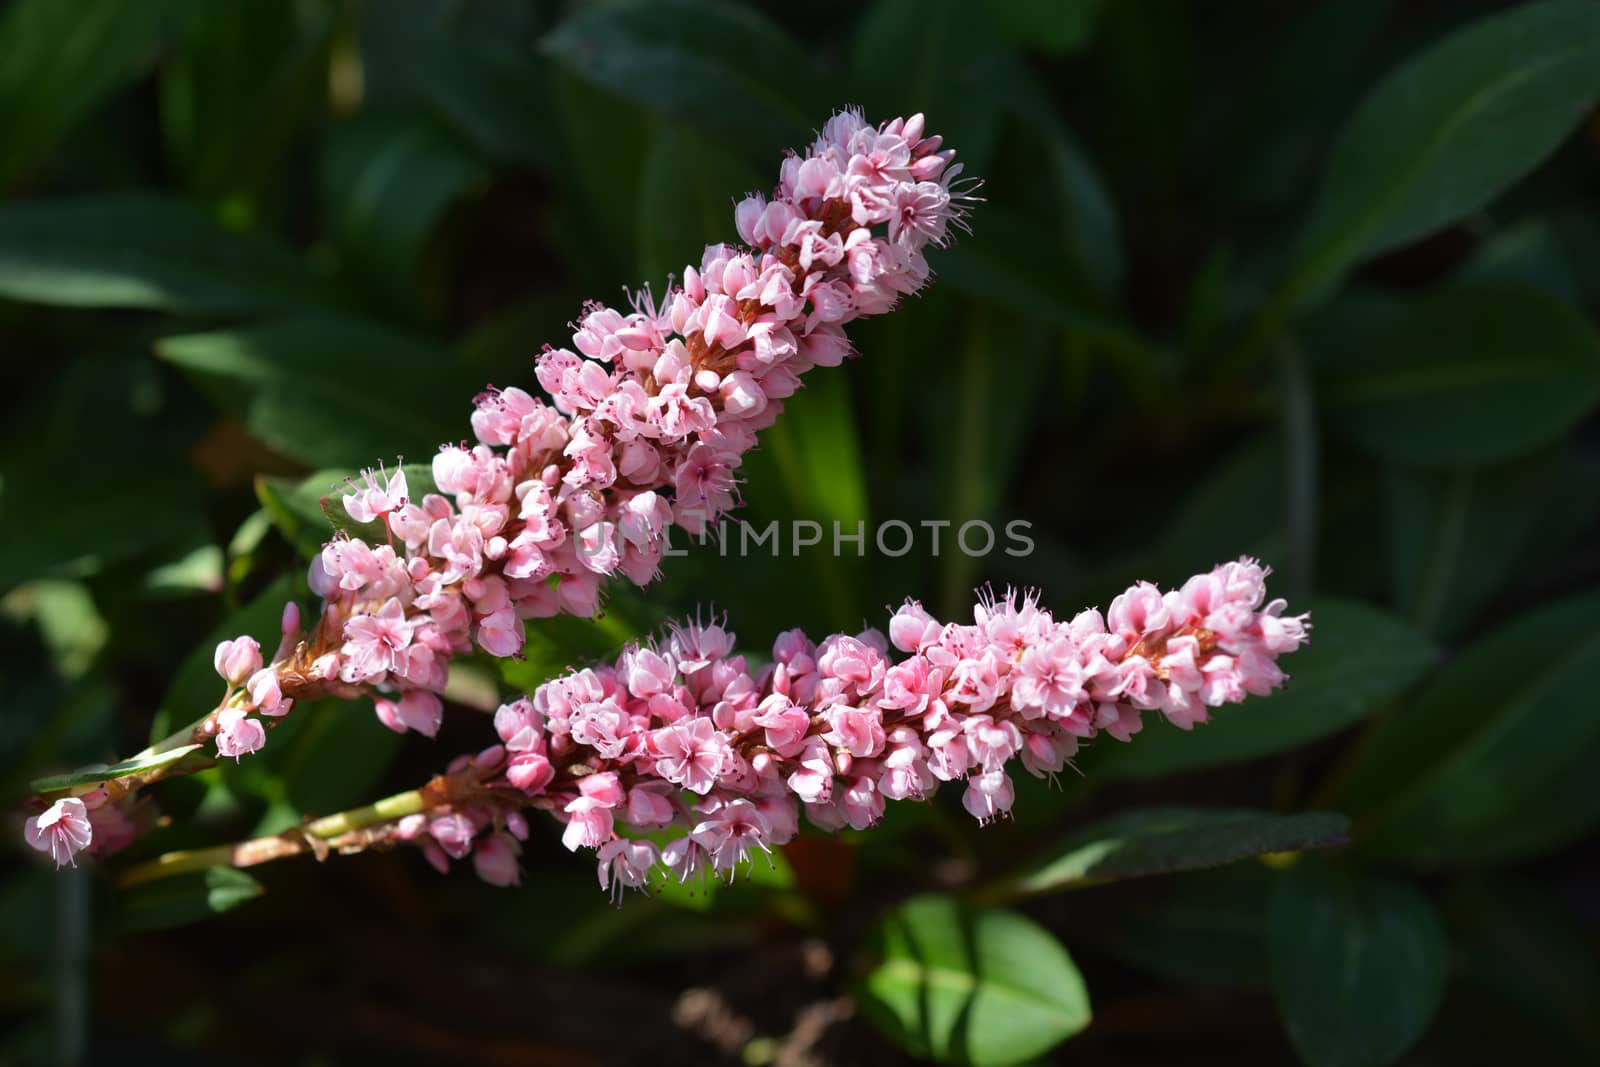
(1455, 536)
(1497, 735)
(695, 61)
(1472, 374)
(59, 62)
(387, 392)
(1448, 131)
(134, 768)
(143, 250)
(1154, 841)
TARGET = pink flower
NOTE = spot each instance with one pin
(530, 772)
(454, 832)
(604, 789)
(377, 501)
(415, 710)
(625, 864)
(649, 807)
(589, 824)
(373, 641)
(1139, 610)
(988, 796)
(1049, 678)
(729, 831)
(690, 754)
(861, 803)
(520, 725)
(238, 734)
(494, 857)
(812, 782)
(63, 830)
(858, 731)
(785, 724)
(237, 659)
(648, 673)
(266, 696)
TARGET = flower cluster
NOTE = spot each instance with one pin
(650, 413)
(686, 734)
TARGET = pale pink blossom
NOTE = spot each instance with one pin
(62, 830)
(238, 659)
(381, 494)
(494, 857)
(238, 734)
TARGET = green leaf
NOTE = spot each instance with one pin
(386, 183)
(67, 619)
(1448, 131)
(1358, 658)
(980, 986)
(1199, 928)
(59, 62)
(480, 86)
(1271, 129)
(1358, 965)
(1455, 536)
(333, 759)
(128, 768)
(1558, 253)
(295, 508)
(185, 898)
(50, 520)
(143, 250)
(1453, 778)
(1527, 972)
(692, 60)
(1054, 26)
(328, 390)
(1137, 844)
(1469, 375)
(239, 86)
(809, 468)
(686, 190)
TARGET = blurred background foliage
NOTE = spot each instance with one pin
(1311, 280)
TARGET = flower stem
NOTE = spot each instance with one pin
(277, 846)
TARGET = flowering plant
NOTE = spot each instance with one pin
(990, 674)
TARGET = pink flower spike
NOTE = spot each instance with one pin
(63, 830)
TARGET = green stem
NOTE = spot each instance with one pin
(278, 846)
